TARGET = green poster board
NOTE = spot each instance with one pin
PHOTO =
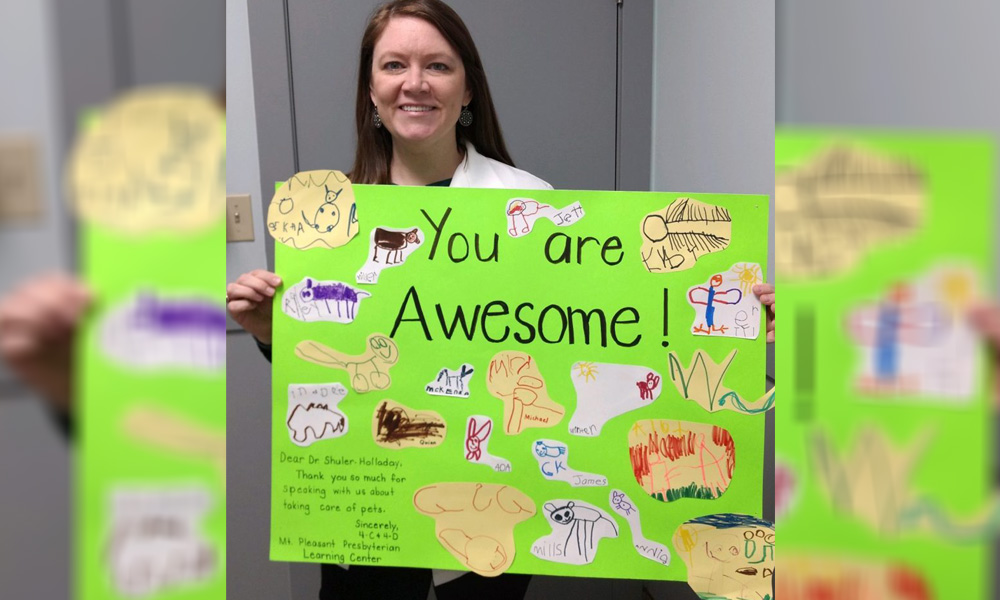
(868, 220)
(438, 499)
(150, 367)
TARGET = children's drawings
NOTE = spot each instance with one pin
(178, 434)
(156, 544)
(394, 246)
(818, 576)
(153, 161)
(915, 340)
(313, 209)
(553, 462)
(368, 371)
(523, 212)
(604, 391)
(514, 378)
(451, 383)
(726, 305)
(833, 209)
(674, 238)
(477, 440)
(654, 551)
(577, 529)
(312, 300)
(786, 488)
(397, 426)
(702, 383)
(475, 521)
(728, 556)
(680, 459)
(150, 332)
(312, 412)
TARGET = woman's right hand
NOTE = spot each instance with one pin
(248, 300)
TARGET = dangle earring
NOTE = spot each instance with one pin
(378, 120)
(465, 118)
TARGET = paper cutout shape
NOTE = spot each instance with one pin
(728, 556)
(702, 383)
(368, 371)
(916, 342)
(674, 238)
(787, 484)
(394, 245)
(451, 383)
(726, 305)
(478, 430)
(840, 577)
(514, 378)
(151, 333)
(155, 160)
(831, 211)
(654, 551)
(604, 391)
(680, 459)
(312, 300)
(577, 529)
(312, 412)
(553, 462)
(157, 427)
(397, 426)
(475, 521)
(156, 544)
(523, 212)
(313, 209)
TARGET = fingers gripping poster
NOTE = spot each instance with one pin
(500, 387)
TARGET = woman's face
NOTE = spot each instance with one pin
(418, 82)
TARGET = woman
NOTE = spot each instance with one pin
(424, 117)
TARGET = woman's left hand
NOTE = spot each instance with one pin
(765, 292)
(985, 319)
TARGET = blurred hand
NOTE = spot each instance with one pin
(38, 323)
(985, 319)
(248, 300)
(765, 292)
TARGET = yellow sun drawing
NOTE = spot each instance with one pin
(587, 370)
(747, 276)
(955, 289)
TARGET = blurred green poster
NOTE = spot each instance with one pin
(513, 381)
(883, 242)
(147, 179)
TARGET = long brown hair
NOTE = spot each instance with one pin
(374, 149)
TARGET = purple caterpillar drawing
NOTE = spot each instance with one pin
(341, 293)
(178, 315)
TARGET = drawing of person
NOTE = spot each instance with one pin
(712, 297)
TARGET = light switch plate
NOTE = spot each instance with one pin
(20, 183)
(239, 218)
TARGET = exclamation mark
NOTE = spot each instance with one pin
(666, 313)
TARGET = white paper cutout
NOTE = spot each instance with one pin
(654, 551)
(156, 543)
(388, 247)
(725, 305)
(523, 212)
(451, 383)
(314, 300)
(915, 341)
(149, 332)
(312, 412)
(553, 462)
(605, 390)
(478, 430)
(577, 528)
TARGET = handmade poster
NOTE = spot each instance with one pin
(148, 180)
(882, 241)
(495, 376)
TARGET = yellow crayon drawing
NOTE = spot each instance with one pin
(368, 371)
(313, 209)
(475, 521)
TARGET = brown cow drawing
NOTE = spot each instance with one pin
(393, 242)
